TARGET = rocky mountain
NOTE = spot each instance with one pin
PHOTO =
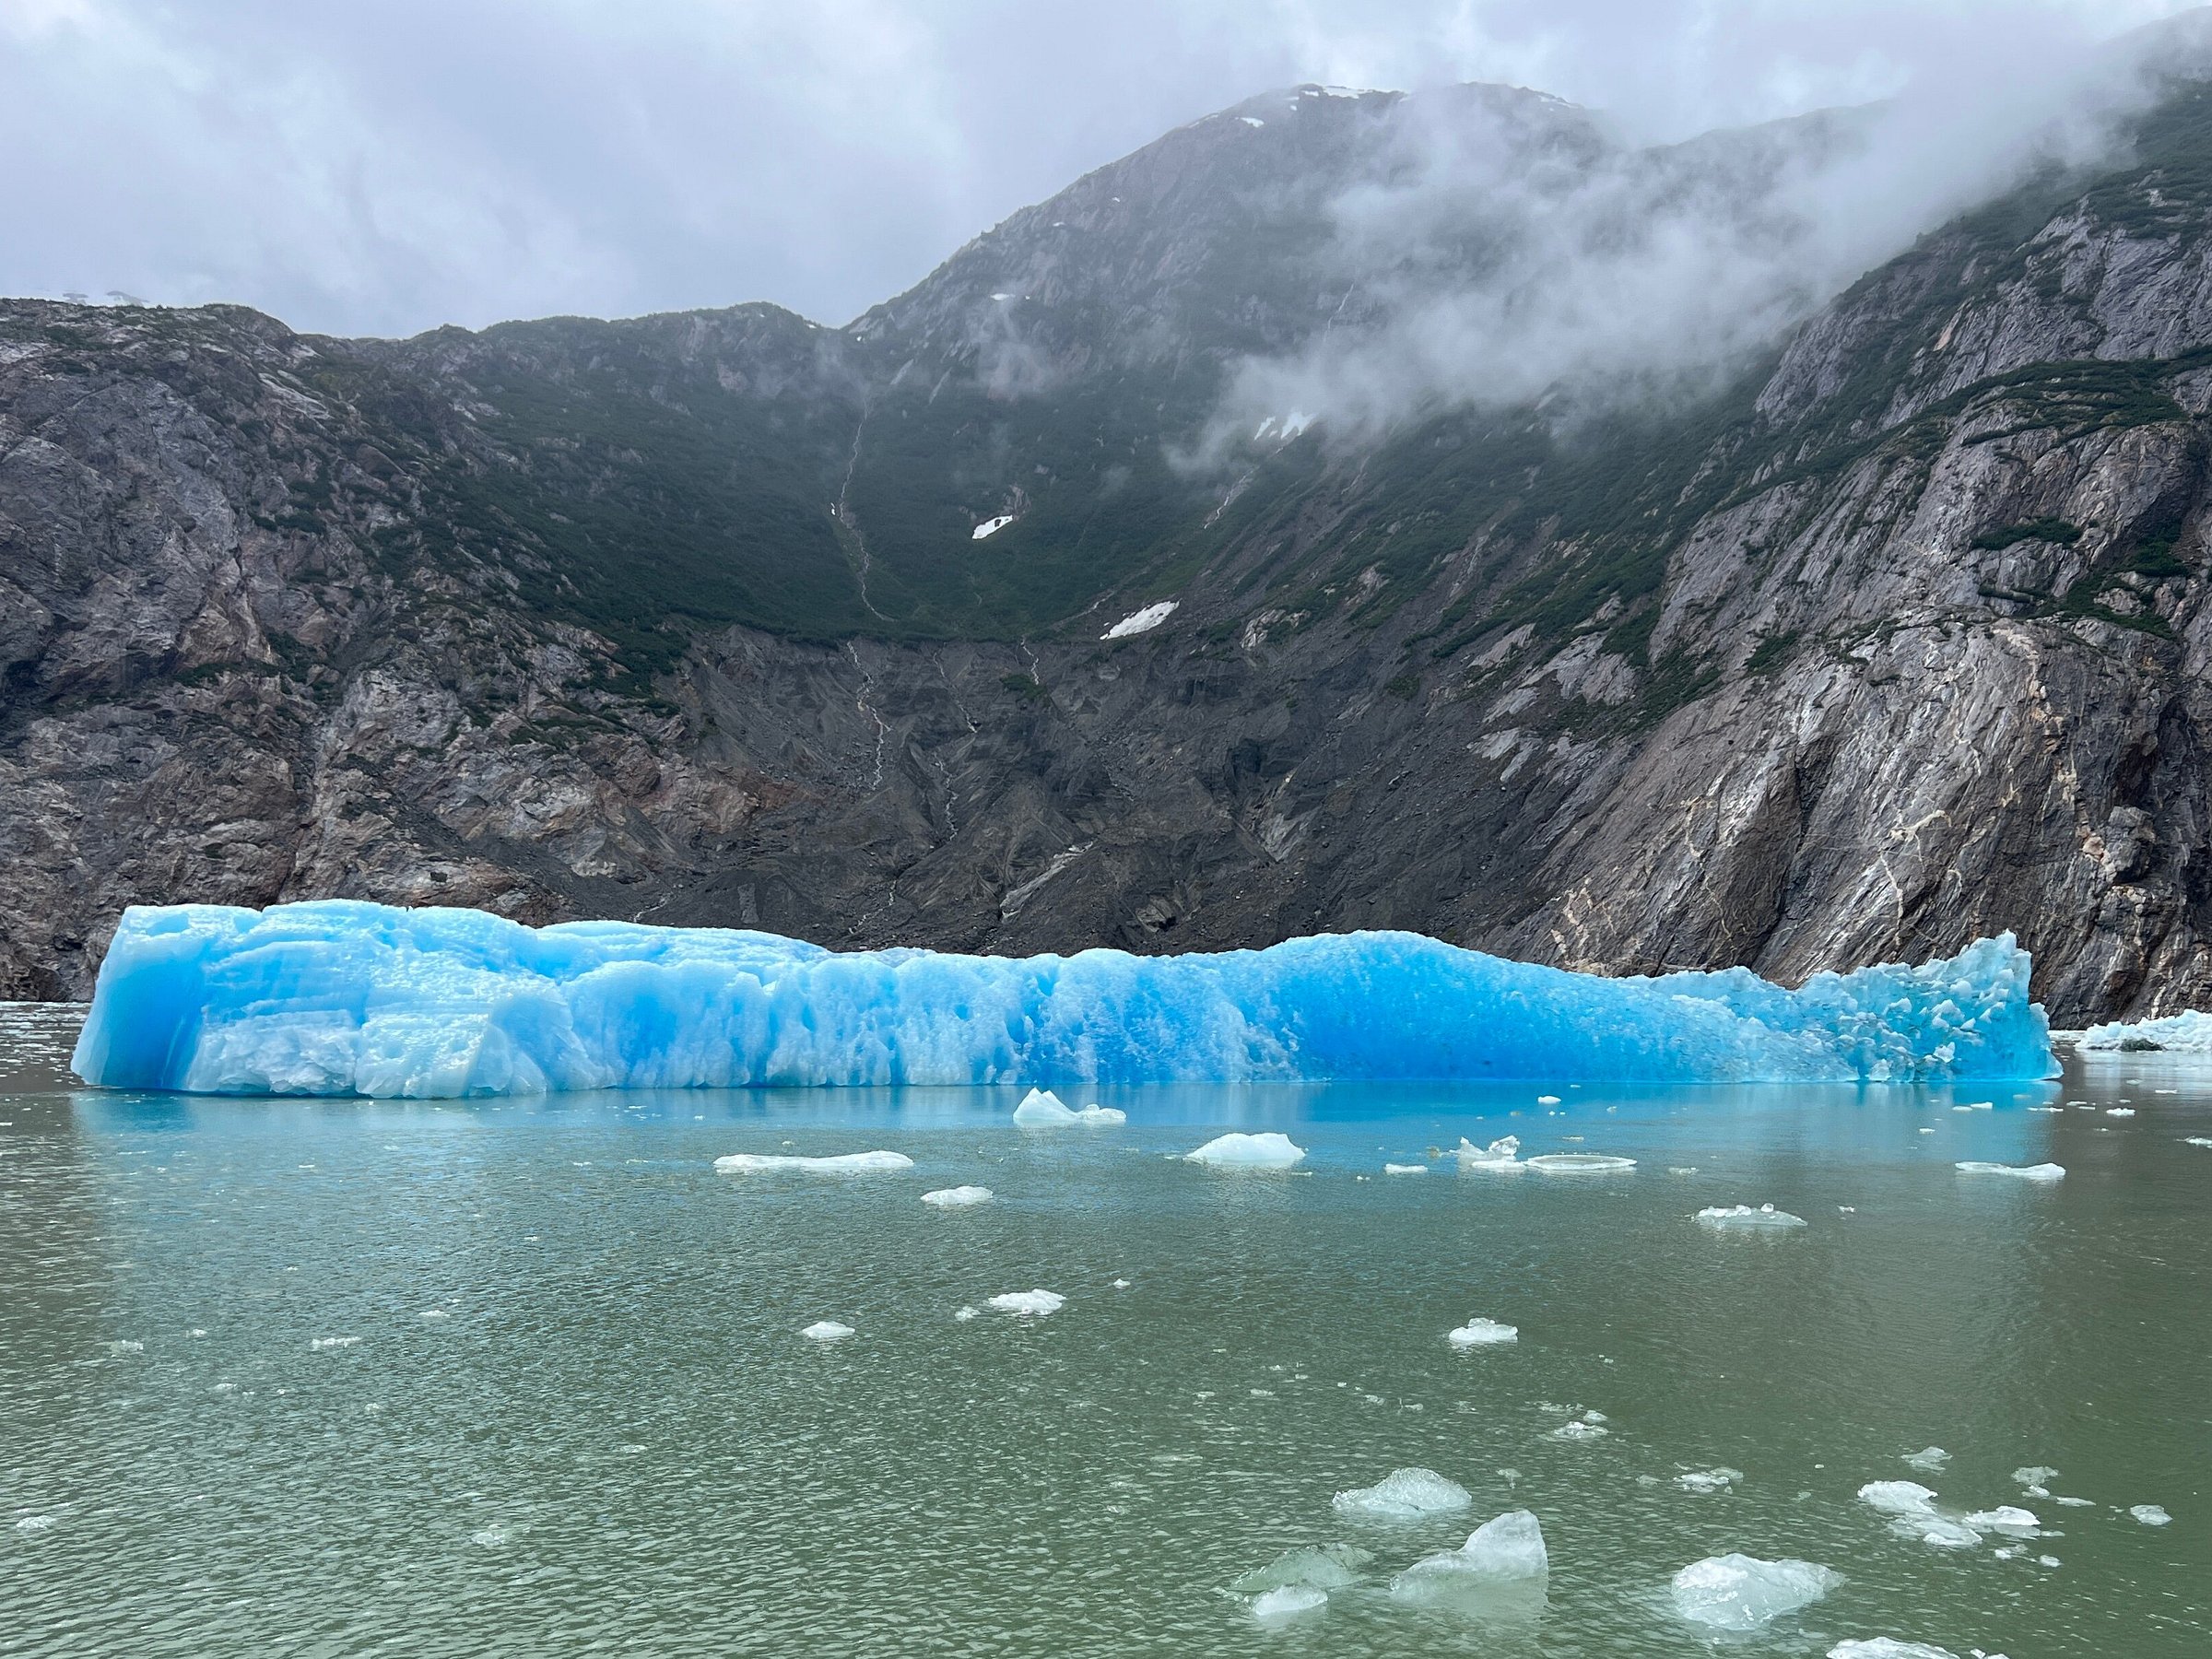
(974, 624)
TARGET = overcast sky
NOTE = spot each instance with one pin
(385, 166)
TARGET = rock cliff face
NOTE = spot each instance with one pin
(1900, 640)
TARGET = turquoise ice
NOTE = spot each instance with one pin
(342, 997)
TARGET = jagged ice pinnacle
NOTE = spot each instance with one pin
(342, 997)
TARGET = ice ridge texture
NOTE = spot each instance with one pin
(345, 997)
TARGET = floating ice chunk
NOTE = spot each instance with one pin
(344, 997)
(1029, 1304)
(2198, 1140)
(2150, 1514)
(1268, 1151)
(1579, 1163)
(2119, 1111)
(2035, 1475)
(1888, 1647)
(2038, 1173)
(1041, 1109)
(1504, 1153)
(320, 1343)
(1943, 1532)
(827, 1330)
(1121, 1284)
(491, 1536)
(1898, 1497)
(1482, 1332)
(2005, 1518)
(1141, 621)
(844, 1163)
(990, 526)
(31, 1523)
(2046, 1560)
(1327, 1567)
(1290, 1602)
(2188, 1033)
(1929, 1457)
(1547, 1099)
(1404, 1494)
(1742, 1593)
(1390, 1169)
(2071, 1502)
(433, 1313)
(1504, 1553)
(126, 1345)
(1709, 1480)
(1590, 1428)
(1742, 1217)
(960, 1198)
(965, 1314)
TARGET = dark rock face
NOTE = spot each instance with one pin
(1902, 643)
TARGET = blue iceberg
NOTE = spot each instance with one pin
(339, 997)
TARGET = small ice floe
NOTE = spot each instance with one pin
(433, 1313)
(1028, 1304)
(2007, 1518)
(124, 1346)
(1888, 1647)
(2150, 1514)
(320, 1343)
(2119, 1111)
(2034, 1475)
(1913, 1514)
(846, 1163)
(1041, 1109)
(2046, 1560)
(1505, 1553)
(1977, 1106)
(1269, 1151)
(1482, 1332)
(1141, 621)
(965, 1314)
(960, 1198)
(2038, 1173)
(1403, 1495)
(1709, 1480)
(1931, 1458)
(827, 1330)
(491, 1537)
(2069, 1502)
(1292, 1601)
(1547, 1099)
(2198, 1140)
(1390, 1169)
(1682, 1168)
(1326, 1567)
(1504, 1153)
(1742, 1593)
(1579, 1163)
(33, 1523)
(1588, 1427)
(1121, 1284)
(1742, 1217)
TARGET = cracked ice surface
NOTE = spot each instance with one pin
(345, 997)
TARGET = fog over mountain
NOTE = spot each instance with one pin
(385, 166)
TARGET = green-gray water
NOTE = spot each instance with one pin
(528, 1377)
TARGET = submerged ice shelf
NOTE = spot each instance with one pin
(342, 997)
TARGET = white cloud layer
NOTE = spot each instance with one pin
(388, 165)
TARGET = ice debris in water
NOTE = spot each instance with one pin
(1482, 1332)
(1288, 1601)
(1547, 1099)
(2198, 1140)
(2119, 1111)
(2039, 1172)
(1029, 1304)
(1504, 1553)
(1390, 1169)
(1041, 1109)
(2035, 1475)
(827, 1330)
(1325, 1567)
(2150, 1514)
(334, 1342)
(844, 1163)
(1404, 1494)
(1743, 1217)
(2188, 1033)
(1591, 1426)
(31, 1523)
(960, 1198)
(1928, 1457)
(1269, 1151)
(1741, 1592)
(1709, 1480)
(2005, 1518)
(1504, 1153)
(1888, 1647)
(1579, 1163)
(347, 997)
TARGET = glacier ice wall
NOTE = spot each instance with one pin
(340, 997)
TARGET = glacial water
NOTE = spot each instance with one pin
(528, 1377)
